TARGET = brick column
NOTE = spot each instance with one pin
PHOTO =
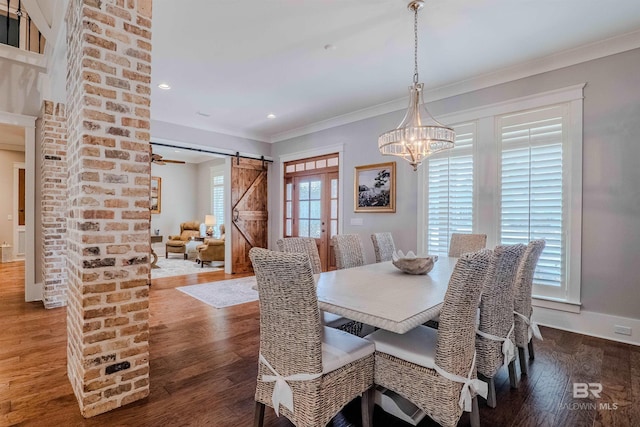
(108, 100)
(53, 187)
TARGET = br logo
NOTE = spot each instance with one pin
(582, 390)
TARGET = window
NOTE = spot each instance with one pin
(515, 175)
(532, 191)
(450, 191)
(217, 195)
(9, 31)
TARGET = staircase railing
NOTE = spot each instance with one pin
(17, 29)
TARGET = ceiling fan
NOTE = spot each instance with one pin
(159, 160)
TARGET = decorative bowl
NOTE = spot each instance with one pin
(413, 264)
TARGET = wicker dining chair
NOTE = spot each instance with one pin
(306, 372)
(525, 329)
(463, 243)
(307, 245)
(435, 369)
(383, 246)
(348, 250)
(495, 343)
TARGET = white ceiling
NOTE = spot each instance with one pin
(237, 61)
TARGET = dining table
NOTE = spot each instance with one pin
(381, 295)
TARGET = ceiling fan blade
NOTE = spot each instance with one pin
(180, 162)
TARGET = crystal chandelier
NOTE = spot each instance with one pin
(419, 135)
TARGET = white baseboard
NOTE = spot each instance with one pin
(589, 323)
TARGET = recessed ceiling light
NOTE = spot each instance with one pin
(176, 151)
(164, 86)
(329, 47)
(271, 116)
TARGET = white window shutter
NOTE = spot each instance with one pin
(532, 187)
(450, 191)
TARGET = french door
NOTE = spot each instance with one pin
(311, 208)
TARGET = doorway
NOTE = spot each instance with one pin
(311, 202)
(19, 211)
(33, 289)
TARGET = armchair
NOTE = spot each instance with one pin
(212, 249)
(177, 244)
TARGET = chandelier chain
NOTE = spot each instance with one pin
(415, 46)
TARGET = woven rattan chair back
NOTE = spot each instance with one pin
(383, 246)
(305, 245)
(522, 289)
(464, 243)
(349, 251)
(496, 307)
(456, 334)
(288, 298)
(291, 348)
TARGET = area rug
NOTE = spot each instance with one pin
(179, 267)
(224, 293)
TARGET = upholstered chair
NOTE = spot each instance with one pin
(525, 328)
(307, 245)
(349, 250)
(495, 342)
(177, 244)
(306, 372)
(212, 249)
(463, 243)
(383, 246)
(435, 369)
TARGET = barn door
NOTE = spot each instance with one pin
(248, 211)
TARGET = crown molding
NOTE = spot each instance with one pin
(584, 53)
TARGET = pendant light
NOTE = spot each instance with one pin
(419, 135)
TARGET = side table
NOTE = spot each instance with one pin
(154, 239)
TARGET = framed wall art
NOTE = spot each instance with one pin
(155, 197)
(375, 188)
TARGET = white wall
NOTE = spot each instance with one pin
(19, 88)
(611, 181)
(204, 187)
(203, 138)
(7, 159)
(179, 197)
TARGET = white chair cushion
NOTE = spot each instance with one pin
(416, 346)
(340, 348)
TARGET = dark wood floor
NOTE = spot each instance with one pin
(203, 368)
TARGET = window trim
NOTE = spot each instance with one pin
(486, 151)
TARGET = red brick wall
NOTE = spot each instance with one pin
(53, 187)
(108, 100)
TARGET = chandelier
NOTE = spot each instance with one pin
(419, 135)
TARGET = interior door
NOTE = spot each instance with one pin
(248, 211)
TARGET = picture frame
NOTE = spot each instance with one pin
(155, 195)
(375, 188)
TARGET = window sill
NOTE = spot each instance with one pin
(556, 304)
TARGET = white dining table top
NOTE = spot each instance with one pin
(382, 296)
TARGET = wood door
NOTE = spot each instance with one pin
(311, 210)
(21, 197)
(248, 211)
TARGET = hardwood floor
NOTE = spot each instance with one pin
(203, 368)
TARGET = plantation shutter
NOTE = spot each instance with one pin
(450, 191)
(217, 195)
(532, 186)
